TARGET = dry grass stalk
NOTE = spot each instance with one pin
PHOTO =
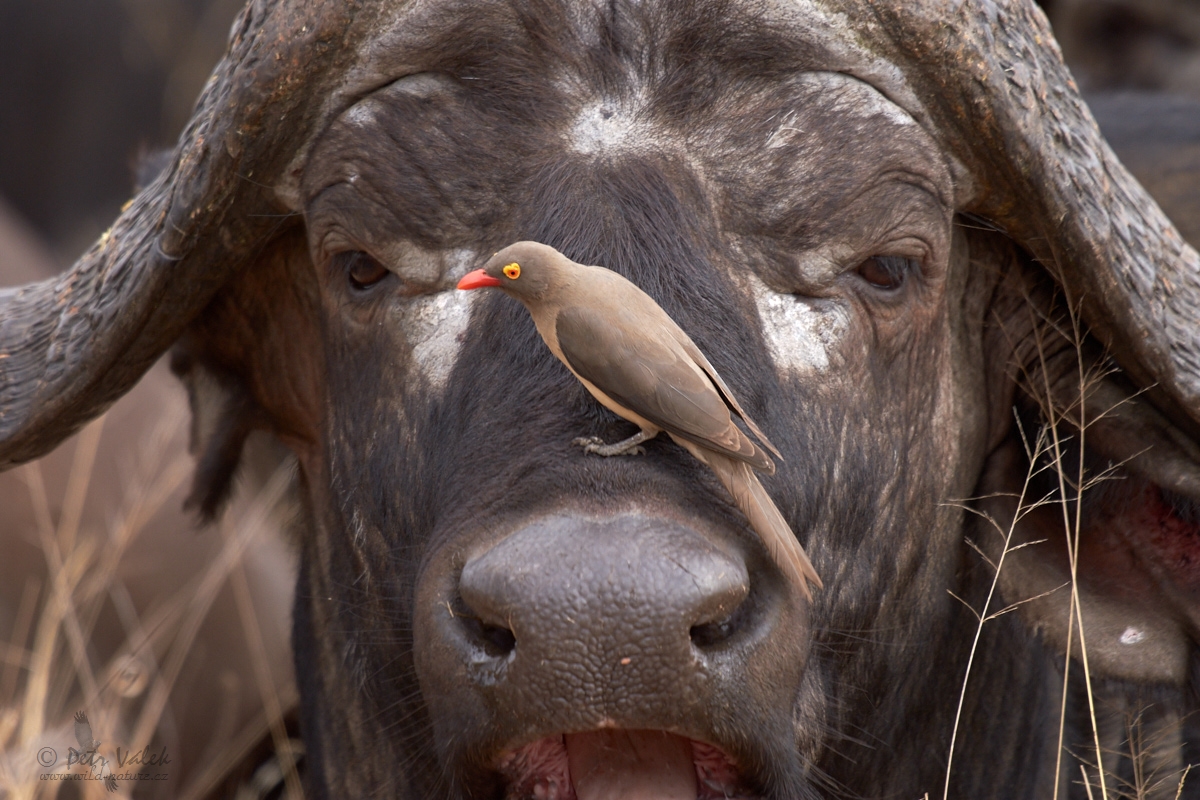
(126, 697)
(1072, 480)
(1034, 451)
(1054, 417)
(1157, 771)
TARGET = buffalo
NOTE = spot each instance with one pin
(896, 231)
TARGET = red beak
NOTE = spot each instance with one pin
(477, 280)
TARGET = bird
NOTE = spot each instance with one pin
(638, 363)
(88, 746)
(83, 735)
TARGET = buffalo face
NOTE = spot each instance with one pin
(799, 225)
(848, 231)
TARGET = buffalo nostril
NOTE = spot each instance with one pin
(713, 634)
(495, 640)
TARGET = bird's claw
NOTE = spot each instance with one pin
(594, 444)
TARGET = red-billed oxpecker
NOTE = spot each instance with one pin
(640, 365)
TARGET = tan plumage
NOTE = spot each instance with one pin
(752, 499)
(633, 358)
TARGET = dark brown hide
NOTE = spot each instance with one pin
(875, 220)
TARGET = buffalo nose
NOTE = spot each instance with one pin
(634, 621)
(601, 613)
(624, 584)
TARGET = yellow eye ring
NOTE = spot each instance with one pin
(513, 270)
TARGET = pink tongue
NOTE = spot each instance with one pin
(631, 765)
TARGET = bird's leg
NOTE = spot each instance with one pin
(626, 447)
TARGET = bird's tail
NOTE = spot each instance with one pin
(750, 496)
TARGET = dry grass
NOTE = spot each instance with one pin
(1151, 778)
(62, 657)
(1035, 452)
(1046, 452)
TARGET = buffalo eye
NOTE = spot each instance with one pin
(361, 270)
(886, 272)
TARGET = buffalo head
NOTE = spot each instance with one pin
(888, 225)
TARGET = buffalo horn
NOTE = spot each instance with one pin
(72, 345)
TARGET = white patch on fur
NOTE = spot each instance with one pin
(875, 104)
(801, 334)
(361, 115)
(424, 84)
(610, 126)
(1132, 635)
(788, 126)
(433, 324)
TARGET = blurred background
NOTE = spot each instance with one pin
(87, 84)
(112, 603)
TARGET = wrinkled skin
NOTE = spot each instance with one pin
(805, 231)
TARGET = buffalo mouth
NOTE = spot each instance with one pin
(625, 764)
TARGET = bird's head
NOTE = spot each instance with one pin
(525, 270)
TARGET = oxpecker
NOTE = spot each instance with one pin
(640, 365)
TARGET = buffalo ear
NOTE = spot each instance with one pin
(1090, 459)
(251, 362)
(223, 417)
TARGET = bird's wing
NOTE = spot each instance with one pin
(695, 353)
(83, 730)
(653, 376)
